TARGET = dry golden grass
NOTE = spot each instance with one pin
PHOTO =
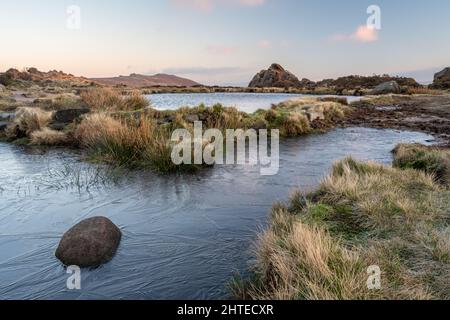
(102, 99)
(320, 245)
(32, 119)
(295, 117)
(106, 99)
(383, 100)
(130, 143)
(48, 137)
(424, 90)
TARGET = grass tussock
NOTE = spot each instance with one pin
(423, 90)
(301, 116)
(128, 143)
(48, 137)
(435, 161)
(320, 245)
(30, 119)
(106, 99)
(292, 118)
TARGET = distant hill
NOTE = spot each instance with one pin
(140, 81)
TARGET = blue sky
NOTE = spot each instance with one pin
(226, 41)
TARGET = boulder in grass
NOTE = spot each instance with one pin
(387, 88)
(90, 243)
(69, 115)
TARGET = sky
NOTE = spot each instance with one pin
(226, 42)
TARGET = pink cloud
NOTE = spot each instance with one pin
(362, 34)
(209, 5)
(222, 50)
(264, 44)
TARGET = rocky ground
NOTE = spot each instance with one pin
(426, 113)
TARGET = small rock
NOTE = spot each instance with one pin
(90, 243)
(192, 118)
(58, 126)
(315, 115)
(166, 120)
(387, 88)
(69, 115)
(4, 125)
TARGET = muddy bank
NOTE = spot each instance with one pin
(429, 114)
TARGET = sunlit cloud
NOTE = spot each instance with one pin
(265, 44)
(209, 5)
(362, 34)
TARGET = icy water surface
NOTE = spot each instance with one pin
(183, 236)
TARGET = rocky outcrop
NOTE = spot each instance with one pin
(90, 243)
(442, 79)
(276, 77)
(387, 88)
(36, 76)
(362, 82)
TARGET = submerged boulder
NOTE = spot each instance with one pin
(387, 88)
(275, 76)
(90, 243)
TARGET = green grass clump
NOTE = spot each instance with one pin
(320, 245)
(428, 159)
(131, 143)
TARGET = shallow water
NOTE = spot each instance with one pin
(183, 236)
(247, 102)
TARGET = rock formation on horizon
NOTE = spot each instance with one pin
(442, 79)
(34, 75)
(275, 76)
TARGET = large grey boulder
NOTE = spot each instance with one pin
(90, 243)
(275, 76)
(387, 88)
